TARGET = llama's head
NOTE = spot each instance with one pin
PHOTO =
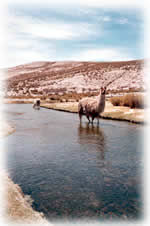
(103, 90)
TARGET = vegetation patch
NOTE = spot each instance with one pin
(111, 112)
(129, 100)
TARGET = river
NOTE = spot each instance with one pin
(74, 171)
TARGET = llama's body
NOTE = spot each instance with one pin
(92, 108)
(82, 109)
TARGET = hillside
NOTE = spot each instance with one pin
(58, 78)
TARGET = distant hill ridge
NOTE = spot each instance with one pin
(47, 78)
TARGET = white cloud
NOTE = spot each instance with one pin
(88, 3)
(25, 56)
(33, 39)
(102, 54)
(57, 30)
(122, 21)
(31, 55)
(106, 18)
(22, 50)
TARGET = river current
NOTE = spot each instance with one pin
(75, 171)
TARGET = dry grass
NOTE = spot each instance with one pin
(111, 112)
(55, 98)
(129, 100)
(68, 97)
(68, 107)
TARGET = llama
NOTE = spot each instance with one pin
(92, 107)
(36, 104)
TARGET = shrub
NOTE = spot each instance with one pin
(116, 101)
(128, 100)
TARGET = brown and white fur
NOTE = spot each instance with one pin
(92, 107)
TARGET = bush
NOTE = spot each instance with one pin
(116, 101)
(128, 100)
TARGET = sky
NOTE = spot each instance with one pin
(66, 31)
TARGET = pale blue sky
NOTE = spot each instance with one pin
(73, 32)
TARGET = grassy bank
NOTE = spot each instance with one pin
(111, 112)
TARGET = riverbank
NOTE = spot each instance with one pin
(17, 206)
(6, 129)
(111, 112)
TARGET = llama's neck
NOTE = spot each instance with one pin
(101, 103)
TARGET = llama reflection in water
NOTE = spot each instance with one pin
(92, 148)
(92, 137)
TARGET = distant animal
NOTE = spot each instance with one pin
(36, 104)
(91, 107)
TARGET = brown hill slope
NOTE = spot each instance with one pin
(49, 78)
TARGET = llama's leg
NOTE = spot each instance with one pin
(92, 119)
(98, 120)
(80, 116)
(80, 111)
(88, 118)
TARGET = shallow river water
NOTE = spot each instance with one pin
(72, 170)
